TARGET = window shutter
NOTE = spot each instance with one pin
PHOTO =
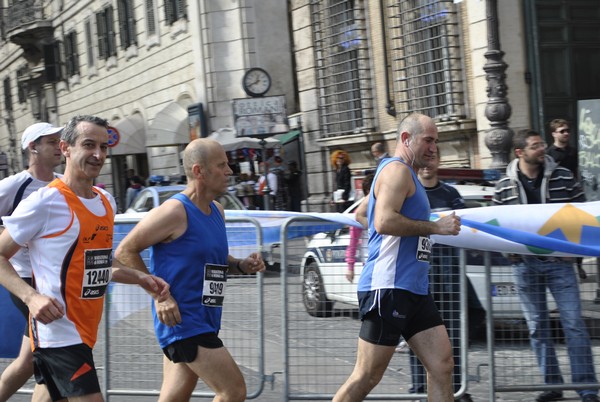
(69, 55)
(102, 41)
(181, 9)
(52, 66)
(7, 95)
(22, 85)
(75, 55)
(169, 12)
(150, 17)
(89, 43)
(110, 32)
(121, 8)
(131, 24)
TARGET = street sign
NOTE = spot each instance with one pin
(113, 137)
(260, 117)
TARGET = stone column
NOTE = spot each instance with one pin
(498, 139)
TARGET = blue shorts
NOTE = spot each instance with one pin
(388, 314)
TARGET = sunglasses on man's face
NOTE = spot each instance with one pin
(564, 131)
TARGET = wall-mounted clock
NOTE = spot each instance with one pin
(256, 82)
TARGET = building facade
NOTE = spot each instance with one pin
(482, 69)
(165, 71)
(161, 71)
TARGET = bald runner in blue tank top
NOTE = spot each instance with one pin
(182, 264)
(396, 262)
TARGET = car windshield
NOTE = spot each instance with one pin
(165, 195)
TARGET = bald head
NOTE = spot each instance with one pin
(414, 124)
(199, 152)
(416, 138)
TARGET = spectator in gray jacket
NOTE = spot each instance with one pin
(534, 178)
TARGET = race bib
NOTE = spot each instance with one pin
(97, 272)
(215, 278)
(423, 249)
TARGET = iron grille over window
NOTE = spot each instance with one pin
(426, 54)
(342, 67)
(174, 10)
(106, 33)
(126, 23)
(71, 55)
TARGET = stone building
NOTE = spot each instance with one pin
(482, 69)
(165, 71)
(161, 71)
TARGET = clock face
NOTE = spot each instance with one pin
(256, 82)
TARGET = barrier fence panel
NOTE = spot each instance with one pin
(321, 322)
(133, 358)
(312, 323)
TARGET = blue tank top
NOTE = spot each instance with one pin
(398, 262)
(182, 263)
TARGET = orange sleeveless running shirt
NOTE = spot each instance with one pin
(84, 274)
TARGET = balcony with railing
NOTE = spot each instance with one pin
(26, 25)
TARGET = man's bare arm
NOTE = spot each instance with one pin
(43, 308)
(394, 185)
(162, 224)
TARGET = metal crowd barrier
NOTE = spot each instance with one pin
(293, 341)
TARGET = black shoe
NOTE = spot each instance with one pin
(548, 396)
(590, 398)
(464, 398)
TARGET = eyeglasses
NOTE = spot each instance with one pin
(563, 131)
(537, 145)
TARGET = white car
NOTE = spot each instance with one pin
(323, 269)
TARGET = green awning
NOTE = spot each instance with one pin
(288, 137)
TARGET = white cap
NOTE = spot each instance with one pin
(36, 131)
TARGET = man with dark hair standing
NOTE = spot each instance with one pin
(560, 150)
(393, 289)
(534, 178)
(565, 155)
(40, 141)
(68, 229)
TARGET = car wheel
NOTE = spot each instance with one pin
(313, 292)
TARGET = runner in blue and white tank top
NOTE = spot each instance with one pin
(398, 262)
(393, 290)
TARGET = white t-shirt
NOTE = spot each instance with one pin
(13, 190)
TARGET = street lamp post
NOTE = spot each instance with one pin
(498, 139)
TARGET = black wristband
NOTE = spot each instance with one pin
(239, 268)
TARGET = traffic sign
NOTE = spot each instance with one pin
(113, 137)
